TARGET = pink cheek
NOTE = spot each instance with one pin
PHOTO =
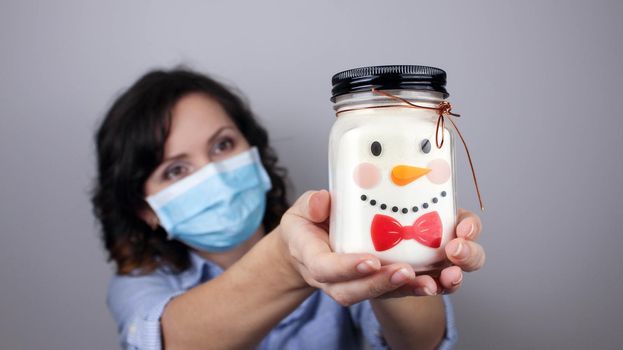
(440, 171)
(366, 175)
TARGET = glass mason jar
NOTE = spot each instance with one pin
(392, 187)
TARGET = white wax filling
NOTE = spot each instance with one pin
(400, 132)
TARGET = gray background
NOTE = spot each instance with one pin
(538, 84)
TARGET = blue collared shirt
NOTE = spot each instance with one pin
(137, 303)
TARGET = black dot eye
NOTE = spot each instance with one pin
(425, 146)
(376, 148)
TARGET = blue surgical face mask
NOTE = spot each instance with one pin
(219, 206)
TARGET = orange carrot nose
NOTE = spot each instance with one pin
(405, 174)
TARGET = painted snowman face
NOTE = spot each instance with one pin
(396, 190)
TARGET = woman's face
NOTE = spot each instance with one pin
(201, 132)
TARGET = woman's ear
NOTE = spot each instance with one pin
(149, 217)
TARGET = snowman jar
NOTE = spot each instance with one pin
(391, 180)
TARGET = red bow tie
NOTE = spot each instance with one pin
(387, 232)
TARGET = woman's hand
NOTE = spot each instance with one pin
(463, 252)
(351, 278)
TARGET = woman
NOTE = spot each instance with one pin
(194, 214)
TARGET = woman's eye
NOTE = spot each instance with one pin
(223, 146)
(175, 172)
(376, 148)
(425, 146)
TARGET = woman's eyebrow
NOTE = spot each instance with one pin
(210, 141)
(215, 135)
(175, 157)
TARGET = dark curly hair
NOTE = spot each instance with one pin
(130, 145)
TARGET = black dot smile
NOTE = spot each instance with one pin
(396, 209)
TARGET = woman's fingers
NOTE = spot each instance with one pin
(332, 268)
(448, 281)
(314, 254)
(422, 285)
(467, 255)
(469, 225)
(451, 279)
(383, 282)
(309, 243)
(313, 206)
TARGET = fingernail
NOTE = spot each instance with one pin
(460, 251)
(400, 276)
(429, 292)
(458, 281)
(469, 230)
(424, 292)
(366, 266)
(311, 199)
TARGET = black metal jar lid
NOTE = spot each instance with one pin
(409, 77)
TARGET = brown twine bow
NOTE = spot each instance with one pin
(443, 109)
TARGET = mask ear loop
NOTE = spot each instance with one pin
(443, 109)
